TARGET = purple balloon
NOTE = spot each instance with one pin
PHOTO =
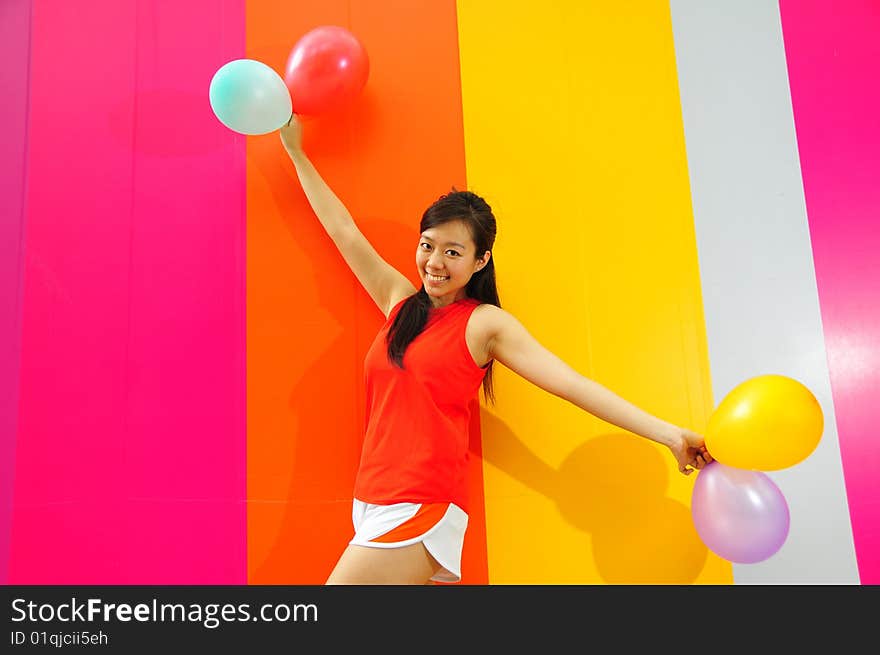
(740, 515)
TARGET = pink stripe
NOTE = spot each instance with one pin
(833, 57)
(15, 41)
(131, 442)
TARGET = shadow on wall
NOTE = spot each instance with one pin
(311, 521)
(324, 449)
(639, 536)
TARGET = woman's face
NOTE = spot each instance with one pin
(446, 259)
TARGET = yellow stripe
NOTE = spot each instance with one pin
(573, 133)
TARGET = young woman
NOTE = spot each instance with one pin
(428, 361)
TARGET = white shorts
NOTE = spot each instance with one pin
(440, 526)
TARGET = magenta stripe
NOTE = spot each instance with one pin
(833, 57)
(132, 434)
(15, 42)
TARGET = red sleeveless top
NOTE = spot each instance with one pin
(416, 443)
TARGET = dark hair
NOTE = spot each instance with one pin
(476, 213)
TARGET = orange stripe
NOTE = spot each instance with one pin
(309, 323)
(426, 518)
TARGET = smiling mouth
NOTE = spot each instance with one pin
(436, 278)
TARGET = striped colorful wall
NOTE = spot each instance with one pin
(685, 199)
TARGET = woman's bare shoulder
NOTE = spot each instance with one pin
(487, 319)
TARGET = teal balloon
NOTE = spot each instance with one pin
(249, 97)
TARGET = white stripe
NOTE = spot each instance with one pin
(759, 286)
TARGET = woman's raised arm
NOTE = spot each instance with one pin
(385, 284)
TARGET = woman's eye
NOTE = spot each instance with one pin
(425, 246)
(453, 253)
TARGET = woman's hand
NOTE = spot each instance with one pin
(689, 450)
(291, 135)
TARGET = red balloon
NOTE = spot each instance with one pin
(327, 68)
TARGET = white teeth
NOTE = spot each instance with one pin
(435, 278)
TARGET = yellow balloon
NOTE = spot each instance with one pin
(766, 423)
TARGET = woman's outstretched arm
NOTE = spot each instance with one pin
(385, 284)
(512, 345)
